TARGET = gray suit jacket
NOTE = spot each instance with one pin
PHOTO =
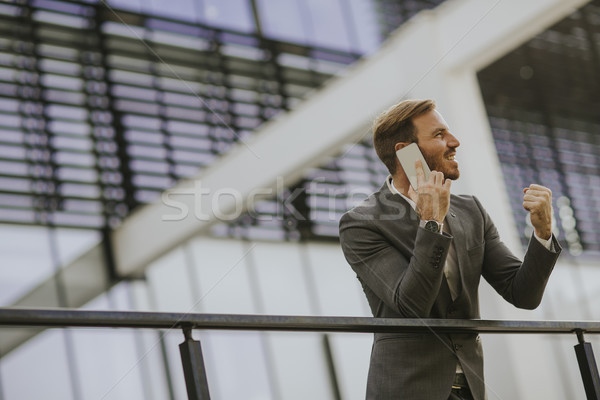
(400, 267)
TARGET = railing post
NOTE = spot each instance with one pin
(587, 367)
(193, 367)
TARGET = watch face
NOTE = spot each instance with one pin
(432, 226)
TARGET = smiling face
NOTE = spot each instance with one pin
(437, 144)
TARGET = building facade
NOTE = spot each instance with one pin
(107, 106)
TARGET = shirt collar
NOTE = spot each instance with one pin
(393, 189)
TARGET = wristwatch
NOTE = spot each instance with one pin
(431, 225)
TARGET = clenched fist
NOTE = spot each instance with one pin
(537, 199)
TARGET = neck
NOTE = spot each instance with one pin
(401, 183)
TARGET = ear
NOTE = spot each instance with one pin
(400, 145)
(397, 147)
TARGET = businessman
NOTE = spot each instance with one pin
(421, 254)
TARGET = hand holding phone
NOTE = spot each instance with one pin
(433, 198)
(407, 156)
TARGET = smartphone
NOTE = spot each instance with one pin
(407, 156)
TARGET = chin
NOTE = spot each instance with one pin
(452, 175)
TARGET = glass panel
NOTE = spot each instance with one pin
(151, 361)
(274, 26)
(326, 24)
(170, 289)
(73, 242)
(223, 281)
(38, 370)
(339, 293)
(117, 371)
(133, 5)
(230, 14)
(26, 259)
(283, 289)
(183, 10)
(365, 36)
(112, 373)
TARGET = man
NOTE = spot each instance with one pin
(420, 254)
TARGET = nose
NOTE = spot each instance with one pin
(452, 141)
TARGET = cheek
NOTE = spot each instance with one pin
(433, 156)
(433, 163)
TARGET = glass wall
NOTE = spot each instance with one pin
(101, 109)
(349, 25)
(212, 276)
(543, 103)
(105, 104)
(246, 277)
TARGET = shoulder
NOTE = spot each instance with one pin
(464, 200)
(382, 205)
(368, 209)
(468, 206)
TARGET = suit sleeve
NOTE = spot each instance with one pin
(408, 285)
(520, 283)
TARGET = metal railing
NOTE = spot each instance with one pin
(191, 351)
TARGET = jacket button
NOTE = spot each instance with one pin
(457, 347)
(451, 310)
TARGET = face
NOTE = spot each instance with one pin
(437, 144)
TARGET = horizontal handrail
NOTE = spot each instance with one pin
(191, 350)
(164, 320)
